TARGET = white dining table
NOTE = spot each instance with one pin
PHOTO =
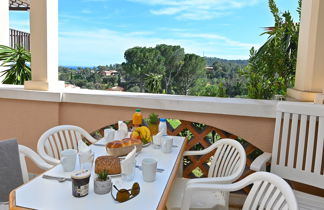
(45, 194)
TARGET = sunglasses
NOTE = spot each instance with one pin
(125, 195)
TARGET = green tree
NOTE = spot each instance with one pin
(154, 83)
(15, 60)
(204, 88)
(192, 69)
(173, 61)
(140, 62)
(271, 69)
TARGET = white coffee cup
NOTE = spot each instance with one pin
(109, 135)
(68, 159)
(166, 144)
(149, 166)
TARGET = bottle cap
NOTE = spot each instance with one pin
(138, 110)
(162, 120)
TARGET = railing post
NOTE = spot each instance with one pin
(44, 46)
(310, 63)
(4, 26)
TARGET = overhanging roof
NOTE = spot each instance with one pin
(19, 4)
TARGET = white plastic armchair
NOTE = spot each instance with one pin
(269, 191)
(29, 153)
(59, 138)
(227, 165)
(297, 152)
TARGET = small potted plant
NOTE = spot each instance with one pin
(102, 184)
(153, 123)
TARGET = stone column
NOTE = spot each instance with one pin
(44, 46)
(310, 61)
(4, 26)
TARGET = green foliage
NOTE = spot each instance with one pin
(15, 61)
(211, 60)
(154, 82)
(271, 69)
(173, 60)
(103, 175)
(153, 118)
(163, 69)
(91, 78)
(227, 74)
(204, 88)
(192, 69)
(140, 62)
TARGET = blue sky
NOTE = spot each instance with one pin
(97, 32)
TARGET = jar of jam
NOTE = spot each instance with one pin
(80, 183)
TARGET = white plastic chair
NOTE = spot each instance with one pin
(299, 127)
(59, 138)
(269, 191)
(227, 166)
(29, 153)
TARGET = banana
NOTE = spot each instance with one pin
(147, 133)
(144, 133)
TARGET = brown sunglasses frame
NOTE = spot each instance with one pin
(128, 190)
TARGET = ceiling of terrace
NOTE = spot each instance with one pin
(19, 4)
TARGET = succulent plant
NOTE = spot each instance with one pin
(103, 175)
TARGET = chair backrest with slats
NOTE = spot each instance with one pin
(228, 160)
(269, 192)
(297, 152)
(59, 138)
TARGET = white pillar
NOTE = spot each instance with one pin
(310, 63)
(4, 26)
(44, 45)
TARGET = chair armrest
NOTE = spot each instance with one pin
(48, 158)
(192, 153)
(212, 180)
(34, 157)
(259, 164)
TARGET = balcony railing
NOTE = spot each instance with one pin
(19, 38)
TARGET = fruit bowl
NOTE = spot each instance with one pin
(147, 144)
(143, 133)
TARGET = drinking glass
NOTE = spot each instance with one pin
(86, 160)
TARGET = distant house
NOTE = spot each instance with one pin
(109, 73)
(116, 88)
(209, 68)
(71, 86)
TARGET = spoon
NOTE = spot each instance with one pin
(59, 179)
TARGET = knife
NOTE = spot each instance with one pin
(158, 169)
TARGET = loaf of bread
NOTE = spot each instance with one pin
(124, 143)
(123, 147)
(110, 164)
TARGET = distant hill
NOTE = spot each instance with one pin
(211, 60)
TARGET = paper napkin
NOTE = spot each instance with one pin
(157, 138)
(128, 164)
(122, 131)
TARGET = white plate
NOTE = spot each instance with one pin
(146, 145)
(114, 175)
